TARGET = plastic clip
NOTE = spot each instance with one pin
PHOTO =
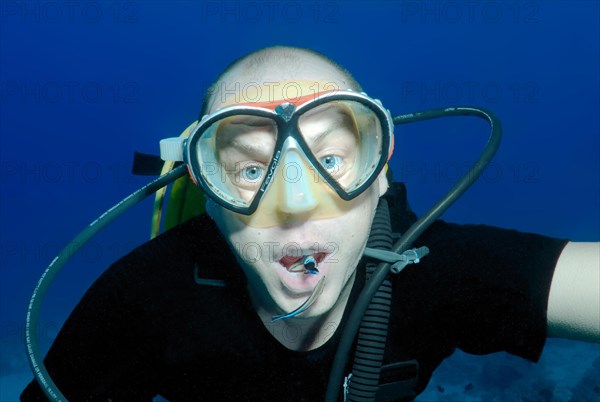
(398, 261)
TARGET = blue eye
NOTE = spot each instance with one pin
(331, 162)
(252, 173)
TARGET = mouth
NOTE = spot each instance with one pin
(302, 264)
(300, 274)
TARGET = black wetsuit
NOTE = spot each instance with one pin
(146, 327)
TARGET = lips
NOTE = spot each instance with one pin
(295, 282)
(288, 261)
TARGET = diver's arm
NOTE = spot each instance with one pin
(574, 301)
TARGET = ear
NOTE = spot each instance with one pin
(382, 182)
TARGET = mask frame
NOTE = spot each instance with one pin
(286, 116)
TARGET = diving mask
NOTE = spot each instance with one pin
(307, 155)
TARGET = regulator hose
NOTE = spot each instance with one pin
(373, 331)
(380, 274)
(37, 298)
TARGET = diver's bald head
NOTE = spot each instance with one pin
(301, 69)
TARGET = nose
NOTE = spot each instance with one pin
(296, 193)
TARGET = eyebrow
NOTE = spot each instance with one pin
(234, 138)
(252, 149)
(248, 147)
(333, 125)
(319, 137)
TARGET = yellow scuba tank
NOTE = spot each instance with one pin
(184, 201)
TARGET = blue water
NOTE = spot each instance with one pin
(84, 84)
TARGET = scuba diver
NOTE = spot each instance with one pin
(260, 298)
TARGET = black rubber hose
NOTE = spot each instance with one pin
(382, 271)
(373, 331)
(37, 298)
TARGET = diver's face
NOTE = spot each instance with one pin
(268, 253)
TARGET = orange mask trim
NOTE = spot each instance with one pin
(272, 104)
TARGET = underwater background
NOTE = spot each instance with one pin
(84, 84)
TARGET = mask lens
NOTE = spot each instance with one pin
(346, 140)
(233, 155)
